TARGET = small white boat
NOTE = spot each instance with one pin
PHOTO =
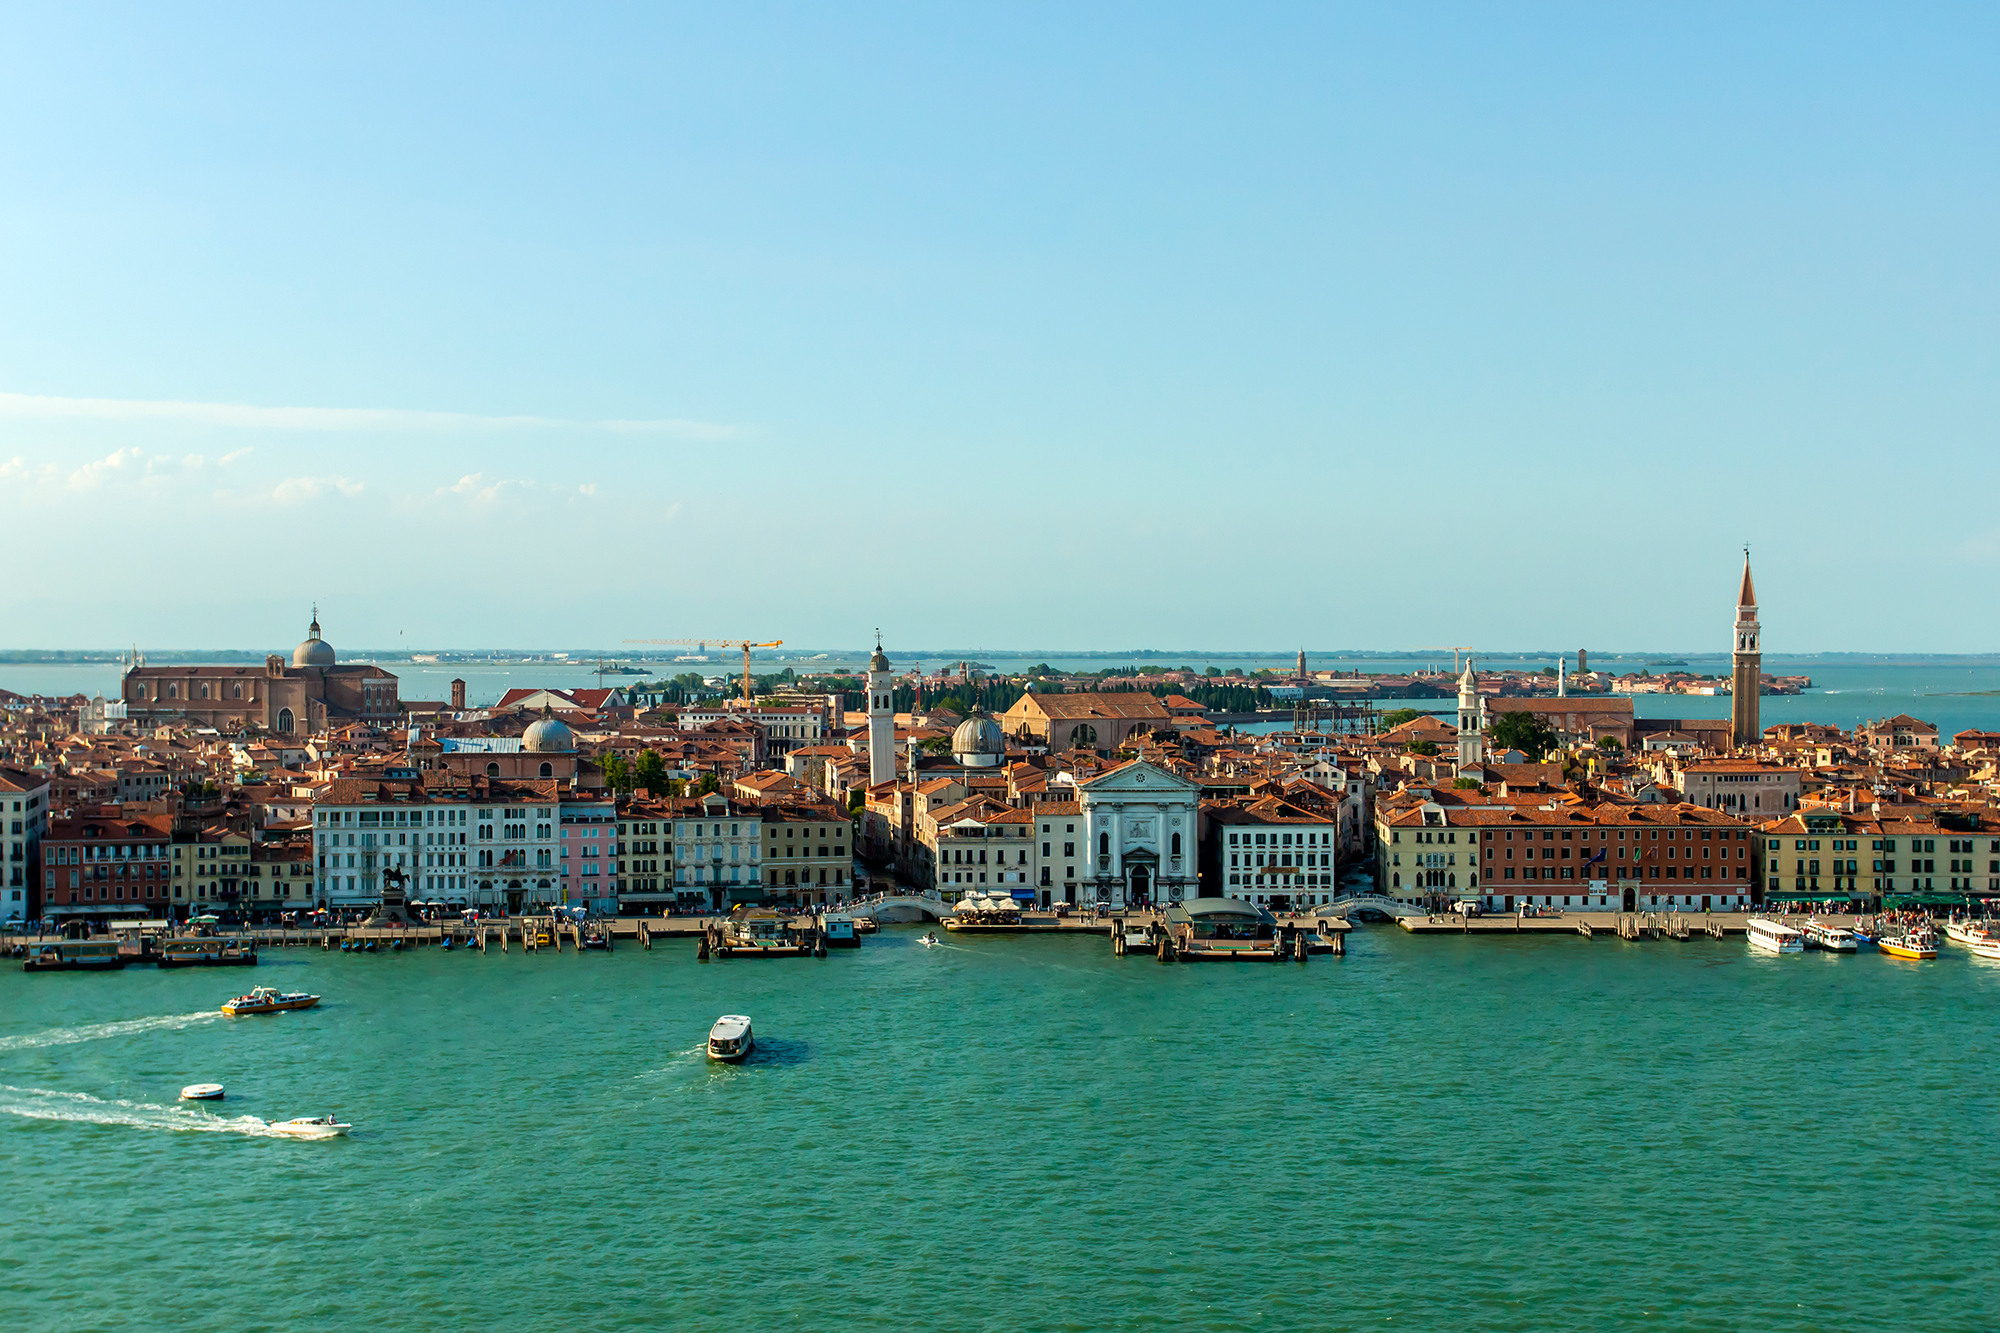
(1774, 936)
(730, 1040)
(1825, 935)
(929, 941)
(202, 1092)
(1986, 948)
(311, 1127)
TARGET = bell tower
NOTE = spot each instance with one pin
(1471, 720)
(1747, 661)
(881, 718)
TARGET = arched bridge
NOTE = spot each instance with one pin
(1387, 906)
(902, 907)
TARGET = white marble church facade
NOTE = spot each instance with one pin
(1140, 829)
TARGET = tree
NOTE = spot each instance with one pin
(651, 773)
(709, 783)
(1212, 671)
(617, 773)
(1524, 732)
(1610, 743)
(1467, 784)
(857, 801)
(1396, 717)
(1421, 747)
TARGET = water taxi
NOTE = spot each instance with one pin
(265, 1000)
(730, 1040)
(74, 956)
(1825, 935)
(310, 1127)
(839, 932)
(202, 1092)
(1774, 936)
(1916, 943)
(1220, 928)
(929, 940)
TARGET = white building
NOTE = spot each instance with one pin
(1139, 834)
(881, 719)
(24, 806)
(718, 850)
(1471, 720)
(490, 845)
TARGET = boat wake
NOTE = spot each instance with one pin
(81, 1107)
(96, 1031)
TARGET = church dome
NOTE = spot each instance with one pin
(878, 662)
(548, 735)
(315, 651)
(978, 742)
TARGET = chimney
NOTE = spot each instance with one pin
(458, 696)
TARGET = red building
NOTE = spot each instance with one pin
(104, 862)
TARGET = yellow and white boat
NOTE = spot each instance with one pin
(265, 1000)
(1919, 943)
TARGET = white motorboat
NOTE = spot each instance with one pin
(310, 1127)
(202, 1092)
(1825, 935)
(731, 1039)
(929, 941)
(1774, 936)
(1970, 933)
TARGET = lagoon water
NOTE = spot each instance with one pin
(1014, 1134)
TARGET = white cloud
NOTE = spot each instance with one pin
(588, 488)
(302, 490)
(22, 406)
(94, 474)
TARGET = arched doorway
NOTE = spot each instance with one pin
(1142, 885)
(1628, 898)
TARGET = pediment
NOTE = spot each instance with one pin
(1140, 779)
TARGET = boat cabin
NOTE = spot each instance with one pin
(1221, 927)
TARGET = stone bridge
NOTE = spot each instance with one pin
(1387, 906)
(894, 908)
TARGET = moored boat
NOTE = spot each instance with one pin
(202, 1092)
(1774, 936)
(310, 1127)
(1825, 935)
(74, 956)
(1916, 942)
(1970, 933)
(839, 931)
(731, 1039)
(208, 951)
(265, 1000)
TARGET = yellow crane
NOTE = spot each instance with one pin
(746, 645)
(1453, 649)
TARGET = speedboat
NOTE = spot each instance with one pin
(1917, 942)
(265, 1000)
(730, 1040)
(202, 1092)
(930, 940)
(1824, 935)
(1774, 936)
(311, 1127)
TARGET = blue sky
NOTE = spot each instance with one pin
(1232, 327)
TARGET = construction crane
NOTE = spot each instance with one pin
(1453, 649)
(749, 696)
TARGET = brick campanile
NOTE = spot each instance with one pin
(1747, 659)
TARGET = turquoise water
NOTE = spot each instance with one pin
(1014, 1134)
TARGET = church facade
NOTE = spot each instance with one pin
(1140, 829)
(300, 699)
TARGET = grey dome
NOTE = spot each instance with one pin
(978, 741)
(878, 662)
(315, 651)
(549, 734)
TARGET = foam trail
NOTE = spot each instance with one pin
(96, 1031)
(81, 1107)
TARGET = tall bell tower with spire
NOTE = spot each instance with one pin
(1747, 660)
(1471, 720)
(881, 718)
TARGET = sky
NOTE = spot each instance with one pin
(1066, 326)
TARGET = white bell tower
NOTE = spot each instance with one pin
(881, 718)
(1471, 720)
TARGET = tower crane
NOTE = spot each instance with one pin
(745, 644)
(1453, 649)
